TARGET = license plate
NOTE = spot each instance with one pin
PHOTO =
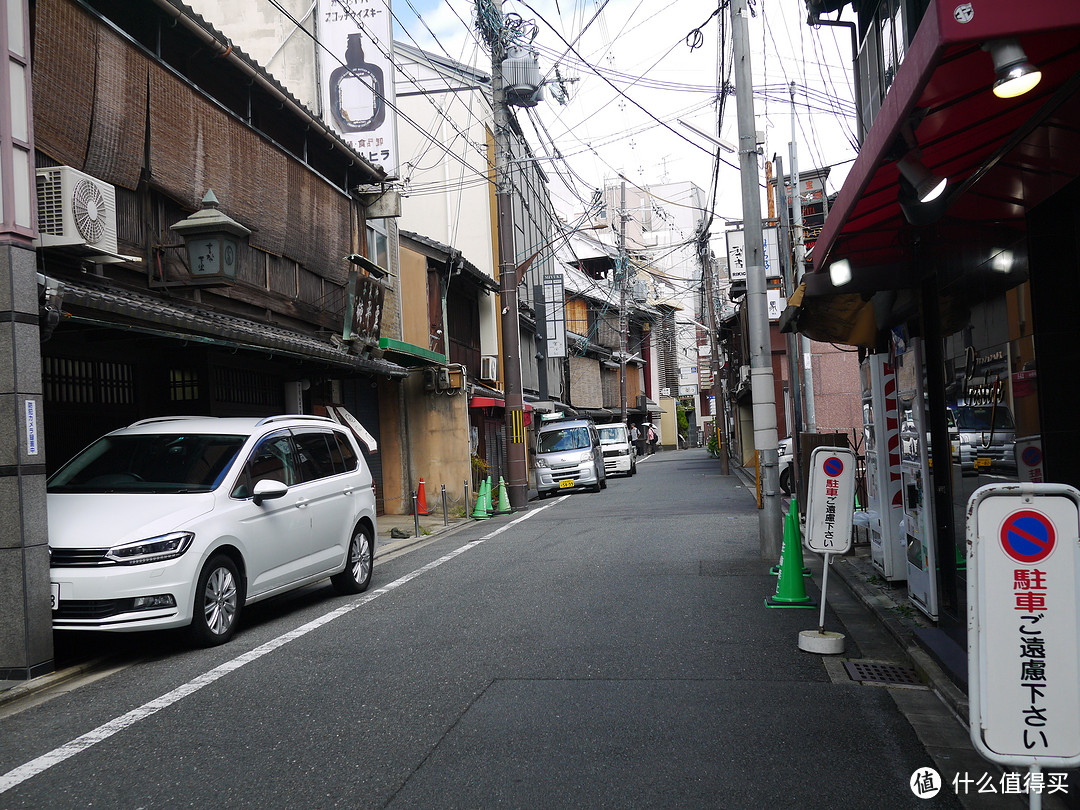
(55, 595)
(566, 484)
(981, 462)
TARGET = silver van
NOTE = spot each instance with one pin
(568, 456)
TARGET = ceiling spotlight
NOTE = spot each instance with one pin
(1015, 74)
(927, 186)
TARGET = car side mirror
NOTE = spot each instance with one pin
(267, 490)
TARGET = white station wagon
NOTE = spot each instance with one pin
(181, 521)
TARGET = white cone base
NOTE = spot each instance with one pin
(826, 643)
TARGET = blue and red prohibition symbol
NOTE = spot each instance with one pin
(832, 466)
(1027, 536)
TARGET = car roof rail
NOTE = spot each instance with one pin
(154, 419)
(304, 417)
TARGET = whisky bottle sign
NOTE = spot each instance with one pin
(357, 79)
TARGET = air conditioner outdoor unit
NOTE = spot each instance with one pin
(75, 210)
(489, 369)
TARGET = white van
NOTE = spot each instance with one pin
(620, 456)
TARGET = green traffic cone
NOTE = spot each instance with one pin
(488, 488)
(504, 499)
(480, 513)
(790, 590)
(791, 523)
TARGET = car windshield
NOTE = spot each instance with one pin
(149, 463)
(554, 441)
(979, 417)
(613, 435)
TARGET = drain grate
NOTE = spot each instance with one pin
(892, 674)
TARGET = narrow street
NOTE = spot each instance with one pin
(598, 650)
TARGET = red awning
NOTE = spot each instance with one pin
(493, 402)
(1002, 156)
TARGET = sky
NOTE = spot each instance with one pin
(634, 75)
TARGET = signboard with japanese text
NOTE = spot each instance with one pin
(356, 78)
(555, 314)
(363, 313)
(736, 246)
(1023, 569)
(830, 500)
(776, 303)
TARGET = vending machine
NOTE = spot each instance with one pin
(918, 492)
(884, 493)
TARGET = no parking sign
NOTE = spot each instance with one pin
(1023, 623)
(830, 500)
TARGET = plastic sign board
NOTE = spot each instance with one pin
(1023, 569)
(830, 500)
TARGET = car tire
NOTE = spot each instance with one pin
(785, 481)
(357, 574)
(218, 602)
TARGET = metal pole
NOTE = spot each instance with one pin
(466, 497)
(517, 483)
(806, 356)
(416, 517)
(762, 385)
(793, 347)
(824, 589)
(445, 516)
(624, 327)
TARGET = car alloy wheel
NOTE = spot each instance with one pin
(217, 602)
(357, 573)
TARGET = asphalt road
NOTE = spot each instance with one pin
(598, 650)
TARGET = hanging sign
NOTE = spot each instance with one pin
(1023, 623)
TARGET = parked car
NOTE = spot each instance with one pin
(182, 521)
(620, 456)
(568, 455)
(787, 481)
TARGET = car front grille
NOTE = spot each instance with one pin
(92, 608)
(78, 558)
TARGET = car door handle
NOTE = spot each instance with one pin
(301, 503)
(348, 490)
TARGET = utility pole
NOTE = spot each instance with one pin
(762, 385)
(518, 483)
(705, 258)
(624, 321)
(805, 355)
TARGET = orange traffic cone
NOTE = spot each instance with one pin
(421, 500)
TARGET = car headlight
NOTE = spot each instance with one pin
(154, 549)
(585, 457)
(541, 462)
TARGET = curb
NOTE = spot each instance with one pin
(53, 679)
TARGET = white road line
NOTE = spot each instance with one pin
(42, 763)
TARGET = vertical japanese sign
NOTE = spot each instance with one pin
(555, 315)
(830, 500)
(736, 253)
(1023, 623)
(356, 77)
(363, 313)
(737, 258)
